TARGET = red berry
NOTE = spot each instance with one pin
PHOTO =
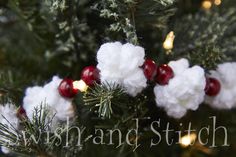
(212, 86)
(90, 75)
(66, 88)
(149, 69)
(164, 74)
(21, 112)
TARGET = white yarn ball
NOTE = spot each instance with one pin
(48, 95)
(9, 118)
(5, 150)
(226, 74)
(184, 91)
(120, 64)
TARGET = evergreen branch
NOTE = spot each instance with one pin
(111, 102)
(204, 43)
(104, 96)
(22, 141)
(123, 14)
(10, 90)
(155, 13)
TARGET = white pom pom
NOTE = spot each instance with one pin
(49, 95)
(179, 66)
(8, 117)
(120, 64)
(226, 74)
(184, 91)
(135, 83)
(5, 150)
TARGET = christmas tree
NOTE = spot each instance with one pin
(128, 78)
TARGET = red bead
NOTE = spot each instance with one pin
(21, 112)
(164, 74)
(212, 86)
(66, 88)
(90, 75)
(149, 69)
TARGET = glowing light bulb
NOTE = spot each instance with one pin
(206, 4)
(169, 41)
(187, 140)
(217, 2)
(80, 85)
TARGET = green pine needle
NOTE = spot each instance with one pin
(103, 96)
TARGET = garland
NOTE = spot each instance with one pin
(178, 87)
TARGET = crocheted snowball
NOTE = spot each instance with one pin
(8, 117)
(184, 91)
(226, 74)
(48, 95)
(120, 64)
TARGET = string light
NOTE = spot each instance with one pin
(187, 140)
(80, 85)
(206, 4)
(169, 41)
(217, 2)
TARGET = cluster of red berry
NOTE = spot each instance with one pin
(163, 73)
(160, 74)
(89, 75)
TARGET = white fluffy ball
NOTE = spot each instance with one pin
(8, 117)
(226, 74)
(184, 91)
(49, 95)
(120, 64)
